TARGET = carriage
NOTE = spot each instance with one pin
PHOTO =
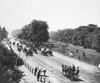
(72, 76)
(46, 52)
(29, 53)
(50, 53)
(70, 72)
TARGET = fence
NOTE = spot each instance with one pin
(44, 77)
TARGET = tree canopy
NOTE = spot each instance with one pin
(86, 36)
(36, 32)
(9, 61)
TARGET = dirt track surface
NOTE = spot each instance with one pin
(88, 73)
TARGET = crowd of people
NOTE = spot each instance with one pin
(70, 72)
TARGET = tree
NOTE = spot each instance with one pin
(86, 36)
(39, 32)
(3, 33)
(36, 32)
(96, 43)
(10, 62)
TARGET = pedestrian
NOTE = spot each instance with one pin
(73, 68)
(35, 71)
(38, 75)
(62, 69)
(44, 72)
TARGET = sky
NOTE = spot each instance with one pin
(59, 14)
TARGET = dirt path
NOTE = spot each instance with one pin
(88, 73)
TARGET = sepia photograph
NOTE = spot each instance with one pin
(49, 41)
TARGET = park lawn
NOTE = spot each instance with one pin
(92, 57)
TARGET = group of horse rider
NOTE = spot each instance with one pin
(70, 71)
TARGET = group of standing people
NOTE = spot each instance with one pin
(70, 72)
(40, 73)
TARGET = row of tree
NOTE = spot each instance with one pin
(36, 32)
(86, 36)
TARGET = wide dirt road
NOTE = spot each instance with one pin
(88, 73)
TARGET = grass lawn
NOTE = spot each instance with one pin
(92, 57)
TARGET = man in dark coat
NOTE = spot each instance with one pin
(35, 71)
(38, 75)
(73, 68)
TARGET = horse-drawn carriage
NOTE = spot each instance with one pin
(72, 76)
(46, 52)
(29, 53)
(70, 72)
(50, 53)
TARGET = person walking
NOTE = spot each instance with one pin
(38, 75)
(35, 71)
(73, 68)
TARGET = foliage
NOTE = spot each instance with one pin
(86, 36)
(10, 62)
(3, 33)
(36, 32)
